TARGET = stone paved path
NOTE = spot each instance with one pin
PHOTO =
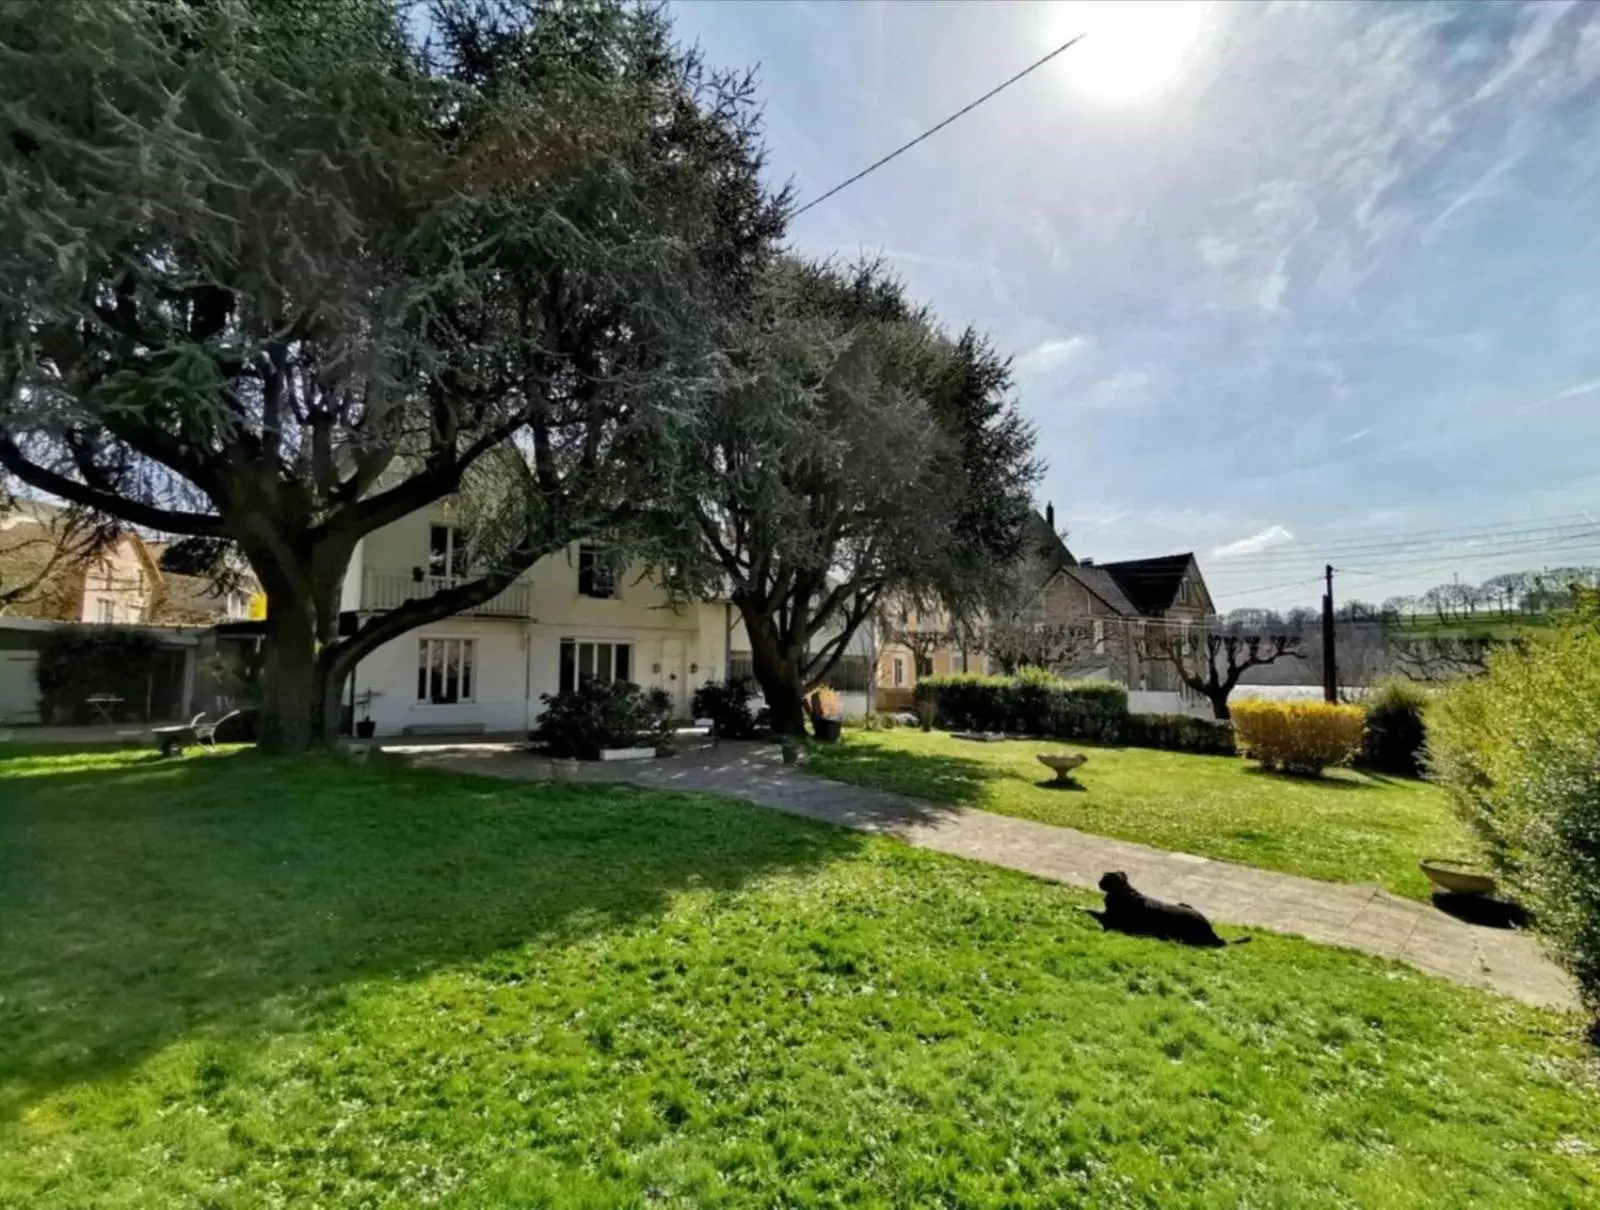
(1358, 917)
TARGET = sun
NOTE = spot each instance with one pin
(1135, 50)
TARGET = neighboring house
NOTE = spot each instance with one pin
(1112, 603)
(115, 581)
(573, 616)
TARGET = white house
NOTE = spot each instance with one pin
(569, 616)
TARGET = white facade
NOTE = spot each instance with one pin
(487, 669)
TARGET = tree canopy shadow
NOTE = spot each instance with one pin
(935, 777)
(1318, 782)
(145, 902)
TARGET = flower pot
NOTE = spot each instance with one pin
(365, 728)
(1457, 877)
(563, 768)
(826, 729)
(791, 753)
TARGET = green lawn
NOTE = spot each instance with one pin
(1345, 827)
(230, 981)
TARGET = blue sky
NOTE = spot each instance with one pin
(1273, 275)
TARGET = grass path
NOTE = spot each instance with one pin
(1345, 827)
(231, 981)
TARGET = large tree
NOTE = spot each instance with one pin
(864, 456)
(278, 277)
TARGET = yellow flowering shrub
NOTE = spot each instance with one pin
(1297, 737)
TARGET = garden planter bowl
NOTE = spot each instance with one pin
(1458, 877)
(1062, 764)
(563, 768)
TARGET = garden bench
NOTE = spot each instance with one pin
(195, 731)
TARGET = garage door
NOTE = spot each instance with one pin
(19, 687)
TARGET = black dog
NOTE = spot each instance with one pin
(1129, 911)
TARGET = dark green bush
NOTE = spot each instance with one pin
(1395, 732)
(1518, 750)
(1179, 733)
(1031, 703)
(593, 716)
(727, 706)
(78, 661)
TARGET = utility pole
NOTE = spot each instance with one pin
(1330, 674)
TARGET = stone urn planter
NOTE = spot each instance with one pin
(1062, 764)
(563, 768)
(1457, 877)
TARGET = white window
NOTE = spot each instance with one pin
(107, 611)
(447, 552)
(899, 672)
(445, 670)
(583, 661)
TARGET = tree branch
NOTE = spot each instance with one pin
(167, 520)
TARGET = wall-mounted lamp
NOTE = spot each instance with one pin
(655, 667)
(416, 575)
(693, 668)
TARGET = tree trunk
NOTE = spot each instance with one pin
(777, 670)
(1218, 696)
(290, 676)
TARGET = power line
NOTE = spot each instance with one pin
(1416, 543)
(932, 130)
(1402, 569)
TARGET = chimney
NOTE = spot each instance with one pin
(1086, 563)
(1050, 516)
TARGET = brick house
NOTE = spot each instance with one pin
(1112, 603)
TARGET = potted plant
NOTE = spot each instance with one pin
(827, 715)
(365, 726)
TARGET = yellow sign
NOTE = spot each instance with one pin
(257, 611)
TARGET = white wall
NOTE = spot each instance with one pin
(676, 648)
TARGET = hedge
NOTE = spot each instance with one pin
(1036, 703)
(1518, 751)
(1298, 737)
(1179, 733)
(1030, 703)
(1397, 732)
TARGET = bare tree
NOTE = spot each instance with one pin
(1061, 647)
(1444, 658)
(1211, 661)
(38, 547)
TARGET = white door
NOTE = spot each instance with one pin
(19, 687)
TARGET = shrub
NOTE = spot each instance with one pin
(1033, 702)
(1395, 730)
(1096, 710)
(1518, 750)
(1297, 737)
(727, 706)
(825, 703)
(593, 716)
(1179, 733)
(964, 700)
(77, 661)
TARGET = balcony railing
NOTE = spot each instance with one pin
(385, 590)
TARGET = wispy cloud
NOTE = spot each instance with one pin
(1354, 437)
(1577, 389)
(1049, 355)
(1273, 535)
